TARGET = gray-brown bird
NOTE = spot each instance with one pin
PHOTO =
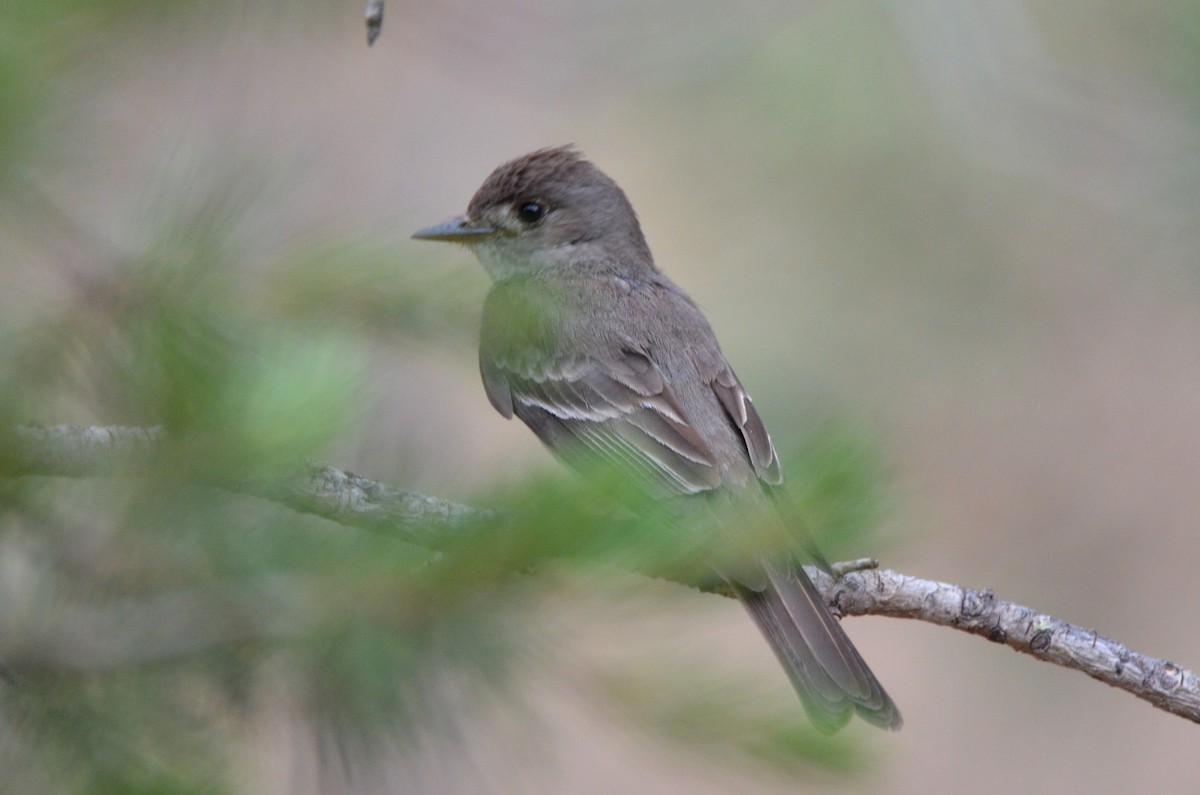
(588, 343)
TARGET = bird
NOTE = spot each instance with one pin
(603, 357)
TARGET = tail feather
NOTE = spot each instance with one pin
(830, 676)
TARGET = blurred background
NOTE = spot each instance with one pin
(950, 248)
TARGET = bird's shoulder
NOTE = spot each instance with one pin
(596, 308)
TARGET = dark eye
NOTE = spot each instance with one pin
(531, 212)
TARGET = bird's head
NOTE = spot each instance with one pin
(547, 209)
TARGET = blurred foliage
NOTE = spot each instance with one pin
(125, 731)
(729, 719)
(1179, 61)
(148, 621)
(42, 44)
(837, 482)
(425, 301)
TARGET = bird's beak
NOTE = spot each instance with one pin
(456, 230)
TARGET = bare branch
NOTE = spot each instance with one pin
(889, 593)
(75, 451)
(352, 500)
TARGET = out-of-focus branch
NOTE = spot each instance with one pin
(346, 498)
(374, 20)
(78, 450)
(74, 451)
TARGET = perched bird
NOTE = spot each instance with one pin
(589, 344)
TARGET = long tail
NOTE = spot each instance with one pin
(827, 671)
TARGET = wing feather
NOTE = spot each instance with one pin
(619, 407)
(741, 410)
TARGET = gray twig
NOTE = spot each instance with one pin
(374, 20)
(888, 593)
